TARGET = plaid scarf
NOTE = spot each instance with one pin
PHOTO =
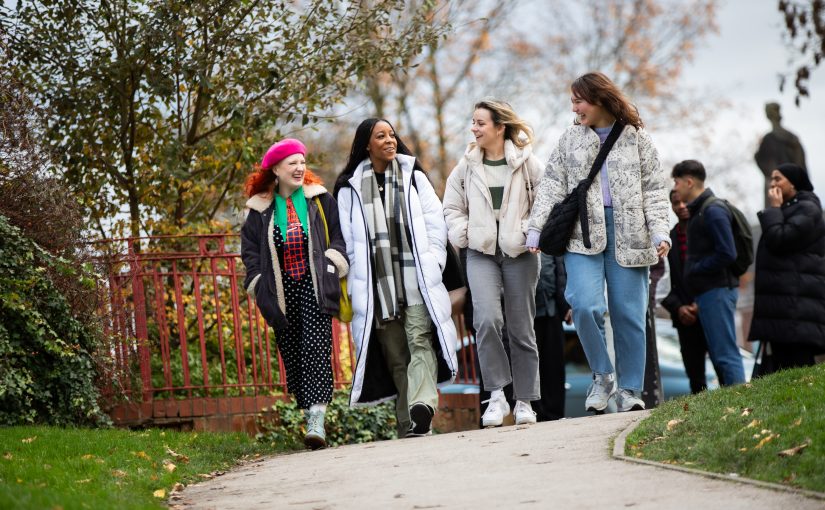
(395, 278)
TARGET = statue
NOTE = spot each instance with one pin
(777, 147)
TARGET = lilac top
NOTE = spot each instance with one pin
(608, 200)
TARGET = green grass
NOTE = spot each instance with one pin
(743, 429)
(50, 468)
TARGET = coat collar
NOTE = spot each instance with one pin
(262, 201)
(514, 155)
(405, 163)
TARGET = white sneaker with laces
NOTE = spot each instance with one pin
(523, 413)
(602, 388)
(497, 409)
(629, 401)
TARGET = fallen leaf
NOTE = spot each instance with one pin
(8, 456)
(747, 411)
(796, 423)
(141, 455)
(160, 493)
(730, 410)
(743, 449)
(85, 480)
(168, 466)
(685, 407)
(672, 424)
(178, 487)
(88, 456)
(177, 456)
(29, 439)
(790, 452)
(765, 440)
(119, 473)
(206, 476)
(790, 478)
(750, 425)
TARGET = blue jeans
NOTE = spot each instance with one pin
(627, 296)
(716, 313)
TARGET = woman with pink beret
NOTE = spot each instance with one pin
(293, 272)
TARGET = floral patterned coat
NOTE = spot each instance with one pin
(638, 187)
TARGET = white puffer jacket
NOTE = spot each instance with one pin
(428, 233)
(638, 188)
(468, 205)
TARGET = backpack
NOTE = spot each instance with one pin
(742, 235)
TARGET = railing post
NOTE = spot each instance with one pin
(141, 331)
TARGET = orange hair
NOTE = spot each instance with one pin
(264, 181)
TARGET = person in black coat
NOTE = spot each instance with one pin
(789, 305)
(551, 310)
(680, 303)
(294, 253)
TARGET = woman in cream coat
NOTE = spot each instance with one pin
(487, 206)
(627, 209)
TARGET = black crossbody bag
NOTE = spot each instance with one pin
(559, 226)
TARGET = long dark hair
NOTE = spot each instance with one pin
(358, 150)
(597, 89)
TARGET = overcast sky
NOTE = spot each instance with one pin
(742, 62)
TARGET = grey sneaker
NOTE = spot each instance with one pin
(497, 409)
(602, 388)
(629, 401)
(315, 437)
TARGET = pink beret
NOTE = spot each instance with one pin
(285, 148)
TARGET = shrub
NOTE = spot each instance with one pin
(344, 424)
(47, 368)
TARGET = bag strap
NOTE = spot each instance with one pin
(323, 218)
(614, 134)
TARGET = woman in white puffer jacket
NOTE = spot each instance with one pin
(487, 206)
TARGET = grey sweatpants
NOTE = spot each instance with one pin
(488, 276)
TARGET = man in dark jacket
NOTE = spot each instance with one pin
(710, 252)
(680, 303)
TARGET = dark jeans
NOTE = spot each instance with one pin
(792, 355)
(694, 347)
(550, 343)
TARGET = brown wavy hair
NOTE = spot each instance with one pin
(596, 88)
(263, 180)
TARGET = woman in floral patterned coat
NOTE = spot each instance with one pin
(627, 210)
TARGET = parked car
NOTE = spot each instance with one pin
(578, 376)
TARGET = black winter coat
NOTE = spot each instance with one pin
(789, 301)
(327, 263)
(679, 294)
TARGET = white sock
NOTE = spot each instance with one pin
(497, 394)
(318, 407)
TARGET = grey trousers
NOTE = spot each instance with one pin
(488, 276)
(407, 346)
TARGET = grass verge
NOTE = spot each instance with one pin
(50, 468)
(771, 429)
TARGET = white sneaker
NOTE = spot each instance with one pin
(524, 413)
(497, 409)
(602, 388)
(629, 401)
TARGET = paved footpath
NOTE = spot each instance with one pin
(562, 464)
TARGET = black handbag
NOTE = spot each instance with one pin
(559, 226)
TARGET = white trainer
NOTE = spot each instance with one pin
(602, 388)
(523, 413)
(497, 409)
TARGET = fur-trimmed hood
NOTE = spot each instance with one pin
(262, 201)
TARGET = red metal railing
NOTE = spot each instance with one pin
(178, 317)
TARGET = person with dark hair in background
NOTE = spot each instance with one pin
(680, 303)
(293, 271)
(710, 252)
(551, 310)
(789, 303)
(396, 239)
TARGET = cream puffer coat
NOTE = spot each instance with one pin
(638, 188)
(468, 205)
